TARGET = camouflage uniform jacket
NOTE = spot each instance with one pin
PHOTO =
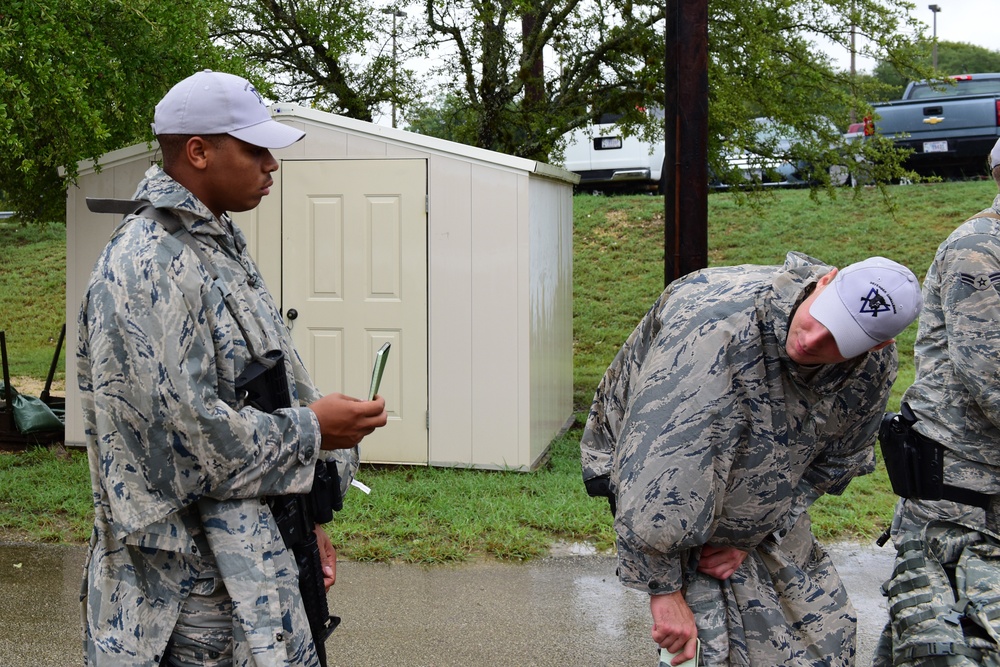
(178, 468)
(711, 434)
(956, 393)
(956, 396)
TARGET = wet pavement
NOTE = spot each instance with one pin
(567, 610)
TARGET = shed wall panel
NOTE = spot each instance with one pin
(496, 318)
(450, 303)
(551, 314)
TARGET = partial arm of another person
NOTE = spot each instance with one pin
(971, 316)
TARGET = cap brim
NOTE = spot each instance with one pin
(268, 134)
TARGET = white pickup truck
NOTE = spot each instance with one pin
(603, 156)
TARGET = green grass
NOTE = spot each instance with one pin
(45, 496)
(434, 515)
(32, 295)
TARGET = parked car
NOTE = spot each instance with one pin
(950, 128)
(773, 159)
(604, 156)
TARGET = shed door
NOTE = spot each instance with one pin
(354, 267)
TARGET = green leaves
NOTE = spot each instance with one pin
(79, 78)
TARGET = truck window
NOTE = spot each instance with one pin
(923, 91)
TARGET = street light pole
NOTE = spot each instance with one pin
(934, 10)
(394, 13)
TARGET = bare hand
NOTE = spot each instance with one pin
(673, 625)
(720, 562)
(345, 421)
(327, 556)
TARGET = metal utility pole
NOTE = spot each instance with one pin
(685, 163)
(934, 11)
(395, 13)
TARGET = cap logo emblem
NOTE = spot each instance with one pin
(874, 303)
(253, 90)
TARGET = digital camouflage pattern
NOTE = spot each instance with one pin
(955, 391)
(943, 597)
(709, 433)
(179, 469)
(956, 396)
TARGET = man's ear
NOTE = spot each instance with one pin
(828, 278)
(196, 151)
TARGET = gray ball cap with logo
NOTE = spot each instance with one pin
(868, 303)
(219, 103)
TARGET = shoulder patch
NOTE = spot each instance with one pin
(981, 281)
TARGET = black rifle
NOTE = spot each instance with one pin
(264, 385)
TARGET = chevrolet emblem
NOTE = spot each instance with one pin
(933, 120)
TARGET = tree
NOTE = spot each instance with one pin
(608, 56)
(445, 117)
(79, 78)
(963, 58)
(953, 58)
(329, 54)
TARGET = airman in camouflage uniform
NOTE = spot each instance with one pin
(727, 412)
(956, 397)
(186, 563)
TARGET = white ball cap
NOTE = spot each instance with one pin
(995, 155)
(868, 303)
(219, 103)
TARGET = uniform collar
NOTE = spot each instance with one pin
(161, 190)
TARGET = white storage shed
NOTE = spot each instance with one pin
(458, 256)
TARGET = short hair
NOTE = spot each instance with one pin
(171, 145)
(996, 175)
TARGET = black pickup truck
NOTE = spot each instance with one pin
(950, 127)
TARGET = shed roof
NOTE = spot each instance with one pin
(412, 140)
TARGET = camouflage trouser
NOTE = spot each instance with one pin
(944, 592)
(785, 605)
(203, 636)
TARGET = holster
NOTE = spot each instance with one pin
(600, 487)
(915, 463)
